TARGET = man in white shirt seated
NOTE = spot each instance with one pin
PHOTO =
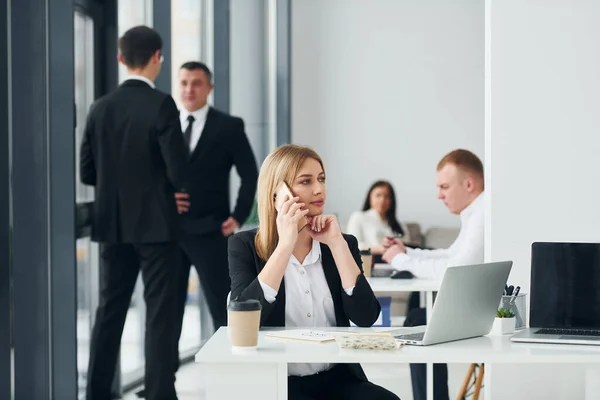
(461, 187)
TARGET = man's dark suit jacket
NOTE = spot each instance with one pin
(223, 144)
(134, 154)
(362, 307)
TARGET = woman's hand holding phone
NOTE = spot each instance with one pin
(284, 193)
(287, 220)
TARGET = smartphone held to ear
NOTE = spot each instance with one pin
(283, 194)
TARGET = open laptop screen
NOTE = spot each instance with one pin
(565, 285)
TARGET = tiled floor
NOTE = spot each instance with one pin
(190, 385)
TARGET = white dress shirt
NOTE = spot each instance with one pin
(308, 301)
(141, 78)
(199, 121)
(467, 248)
(370, 230)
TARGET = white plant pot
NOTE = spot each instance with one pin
(503, 326)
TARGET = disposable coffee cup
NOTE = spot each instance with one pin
(243, 321)
(367, 262)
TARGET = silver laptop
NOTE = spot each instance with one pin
(564, 297)
(465, 306)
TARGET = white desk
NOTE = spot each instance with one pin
(262, 374)
(426, 286)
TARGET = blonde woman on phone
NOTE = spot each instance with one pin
(304, 275)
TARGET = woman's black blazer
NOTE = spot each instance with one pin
(362, 307)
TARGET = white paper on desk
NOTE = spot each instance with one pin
(376, 330)
(306, 335)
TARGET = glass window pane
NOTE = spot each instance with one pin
(133, 13)
(86, 251)
(186, 42)
(186, 46)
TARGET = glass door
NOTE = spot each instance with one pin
(186, 45)
(86, 251)
(94, 53)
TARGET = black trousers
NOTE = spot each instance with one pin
(336, 383)
(208, 253)
(418, 372)
(121, 264)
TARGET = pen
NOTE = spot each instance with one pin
(505, 290)
(514, 294)
(510, 289)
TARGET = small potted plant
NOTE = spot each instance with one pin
(504, 322)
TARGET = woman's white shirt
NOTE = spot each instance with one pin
(308, 301)
(369, 229)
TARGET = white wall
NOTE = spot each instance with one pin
(248, 97)
(248, 87)
(543, 93)
(384, 89)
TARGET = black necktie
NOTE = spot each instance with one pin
(187, 135)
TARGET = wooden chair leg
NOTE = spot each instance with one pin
(479, 382)
(465, 386)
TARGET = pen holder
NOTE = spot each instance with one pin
(517, 305)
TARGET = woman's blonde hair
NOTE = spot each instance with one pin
(281, 165)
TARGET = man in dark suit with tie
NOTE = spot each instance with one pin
(134, 155)
(217, 142)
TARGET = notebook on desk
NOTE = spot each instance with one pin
(321, 336)
(565, 294)
(305, 335)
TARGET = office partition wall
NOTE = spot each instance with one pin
(41, 184)
(5, 214)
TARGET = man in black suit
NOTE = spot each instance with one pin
(217, 142)
(134, 155)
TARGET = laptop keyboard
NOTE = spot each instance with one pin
(572, 332)
(412, 336)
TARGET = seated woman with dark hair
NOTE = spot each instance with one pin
(377, 220)
(310, 277)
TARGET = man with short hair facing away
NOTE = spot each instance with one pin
(133, 154)
(460, 185)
